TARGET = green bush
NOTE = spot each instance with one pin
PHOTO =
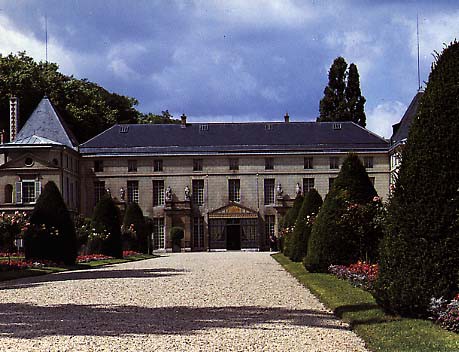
(420, 250)
(177, 235)
(288, 224)
(52, 232)
(135, 230)
(106, 218)
(303, 225)
(334, 239)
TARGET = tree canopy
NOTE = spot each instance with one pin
(343, 100)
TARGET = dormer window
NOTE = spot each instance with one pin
(336, 126)
(268, 127)
(124, 129)
(204, 127)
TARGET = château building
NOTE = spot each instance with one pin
(226, 184)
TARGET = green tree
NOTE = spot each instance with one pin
(107, 218)
(288, 222)
(334, 240)
(134, 217)
(303, 225)
(53, 236)
(420, 250)
(343, 100)
(165, 117)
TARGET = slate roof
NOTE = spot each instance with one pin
(401, 129)
(45, 126)
(233, 137)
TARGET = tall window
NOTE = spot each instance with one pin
(158, 193)
(368, 162)
(308, 184)
(330, 182)
(133, 191)
(157, 165)
(269, 191)
(198, 232)
(158, 234)
(269, 163)
(334, 162)
(234, 190)
(269, 225)
(198, 192)
(8, 194)
(98, 165)
(308, 162)
(234, 164)
(197, 164)
(99, 191)
(27, 191)
(132, 165)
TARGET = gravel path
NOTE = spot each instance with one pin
(230, 301)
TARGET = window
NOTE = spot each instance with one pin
(308, 184)
(234, 164)
(98, 165)
(27, 191)
(330, 182)
(372, 180)
(334, 162)
(28, 162)
(99, 191)
(368, 162)
(157, 165)
(269, 225)
(198, 191)
(204, 127)
(71, 194)
(158, 193)
(133, 191)
(158, 234)
(66, 161)
(198, 232)
(308, 162)
(234, 190)
(269, 163)
(132, 165)
(269, 191)
(8, 194)
(197, 164)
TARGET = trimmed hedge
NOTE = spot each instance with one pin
(134, 216)
(288, 222)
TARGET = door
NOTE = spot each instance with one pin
(233, 237)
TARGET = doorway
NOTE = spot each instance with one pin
(233, 237)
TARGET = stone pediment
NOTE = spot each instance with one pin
(233, 210)
(28, 161)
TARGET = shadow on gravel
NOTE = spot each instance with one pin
(91, 274)
(29, 321)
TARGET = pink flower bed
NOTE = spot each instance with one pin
(92, 257)
(360, 274)
(129, 253)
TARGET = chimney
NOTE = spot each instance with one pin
(183, 117)
(14, 118)
(286, 118)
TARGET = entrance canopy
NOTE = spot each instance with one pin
(233, 211)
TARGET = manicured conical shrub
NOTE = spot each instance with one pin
(52, 231)
(107, 219)
(134, 218)
(303, 225)
(420, 251)
(289, 222)
(333, 239)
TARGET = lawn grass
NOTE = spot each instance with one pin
(16, 274)
(381, 332)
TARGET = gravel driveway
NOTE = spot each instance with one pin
(231, 301)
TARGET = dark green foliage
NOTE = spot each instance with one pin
(134, 218)
(334, 239)
(56, 240)
(420, 251)
(288, 223)
(343, 100)
(107, 218)
(303, 225)
(165, 117)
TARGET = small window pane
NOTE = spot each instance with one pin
(133, 191)
(132, 165)
(269, 191)
(197, 164)
(234, 190)
(158, 193)
(334, 162)
(158, 165)
(368, 162)
(98, 165)
(269, 163)
(330, 182)
(99, 191)
(308, 184)
(308, 162)
(198, 192)
(158, 234)
(234, 164)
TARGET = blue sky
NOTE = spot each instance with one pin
(236, 60)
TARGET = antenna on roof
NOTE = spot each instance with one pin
(417, 37)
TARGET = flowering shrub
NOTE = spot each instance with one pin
(12, 228)
(445, 313)
(92, 257)
(360, 274)
(12, 254)
(129, 253)
(20, 264)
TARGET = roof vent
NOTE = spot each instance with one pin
(268, 127)
(337, 126)
(204, 127)
(124, 129)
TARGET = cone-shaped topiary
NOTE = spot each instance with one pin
(289, 222)
(134, 216)
(303, 225)
(420, 250)
(52, 231)
(106, 218)
(333, 240)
